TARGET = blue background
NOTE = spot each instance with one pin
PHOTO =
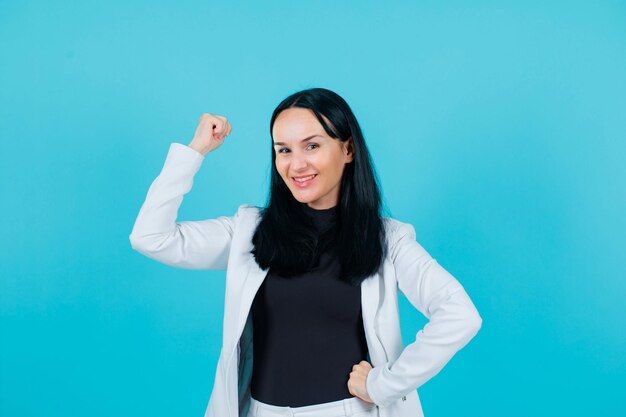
(497, 129)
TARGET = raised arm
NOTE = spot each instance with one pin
(453, 321)
(191, 244)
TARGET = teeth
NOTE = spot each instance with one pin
(304, 179)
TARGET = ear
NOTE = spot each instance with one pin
(348, 150)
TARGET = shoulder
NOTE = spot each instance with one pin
(402, 242)
(248, 210)
(399, 235)
(248, 215)
(395, 229)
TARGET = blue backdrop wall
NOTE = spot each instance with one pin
(497, 129)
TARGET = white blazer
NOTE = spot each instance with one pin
(224, 243)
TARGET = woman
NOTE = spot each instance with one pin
(311, 324)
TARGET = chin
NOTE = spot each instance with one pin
(302, 199)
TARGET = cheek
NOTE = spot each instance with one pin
(280, 167)
(337, 166)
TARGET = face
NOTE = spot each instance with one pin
(309, 161)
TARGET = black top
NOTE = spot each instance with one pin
(308, 333)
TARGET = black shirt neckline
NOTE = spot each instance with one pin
(321, 217)
(319, 212)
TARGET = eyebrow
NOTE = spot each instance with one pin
(303, 140)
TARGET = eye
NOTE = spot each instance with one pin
(283, 149)
(313, 144)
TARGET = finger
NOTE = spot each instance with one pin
(225, 130)
(225, 126)
(222, 119)
(218, 129)
(210, 119)
(350, 389)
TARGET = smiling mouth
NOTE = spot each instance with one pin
(303, 181)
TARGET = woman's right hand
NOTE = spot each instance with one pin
(210, 133)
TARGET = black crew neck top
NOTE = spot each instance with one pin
(321, 217)
(307, 331)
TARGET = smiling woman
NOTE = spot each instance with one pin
(311, 324)
(315, 134)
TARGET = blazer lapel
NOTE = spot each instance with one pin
(253, 281)
(370, 298)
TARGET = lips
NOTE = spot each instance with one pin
(304, 180)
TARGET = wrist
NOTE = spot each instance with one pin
(198, 149)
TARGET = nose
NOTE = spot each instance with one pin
(298, 162)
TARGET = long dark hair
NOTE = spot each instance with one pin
(286, 240)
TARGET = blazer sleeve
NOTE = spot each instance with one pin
(453, 321)
(189, 244)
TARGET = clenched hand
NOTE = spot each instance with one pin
(356, 383)
(210, 133)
